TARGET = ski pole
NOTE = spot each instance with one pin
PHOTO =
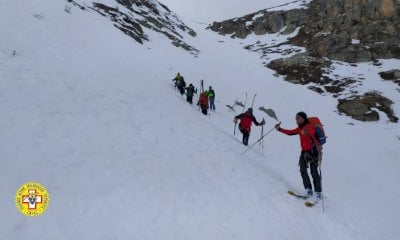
(245, 102)
(262, 133)
(235, 130)
(322, 192)
(254, 98)
(261, 138)
(262, 141)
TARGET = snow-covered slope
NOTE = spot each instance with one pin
(209, 10)
(92, 115)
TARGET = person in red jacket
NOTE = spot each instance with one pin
(245, 124)
(310, 153)
(203, 102)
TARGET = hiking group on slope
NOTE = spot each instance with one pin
(206, 98)
(310, 143)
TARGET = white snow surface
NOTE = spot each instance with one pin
(355, 41)
(92, 115)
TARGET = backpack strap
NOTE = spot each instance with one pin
(313, 141)
(309, 135)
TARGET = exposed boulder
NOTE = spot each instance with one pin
(392, 75)
(364, 107)
(301, 69)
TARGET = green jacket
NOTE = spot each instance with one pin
(177, 78)
(210, 93)
(190, 91)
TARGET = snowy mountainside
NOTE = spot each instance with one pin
(93, 116)
(134, 17)
(207, 11)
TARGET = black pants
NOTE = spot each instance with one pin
(189, 99)
(181, 89)
(246, 135)
(204, 109)
(310, 158)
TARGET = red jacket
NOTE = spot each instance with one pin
(307, 136)
(203, 100)
(245, 121)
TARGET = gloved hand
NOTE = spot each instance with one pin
(235, 120)
(278, 126)
(262, 122)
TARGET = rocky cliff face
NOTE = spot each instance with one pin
(261, 23)
(352, 30)
(134, 17)
(349, 31)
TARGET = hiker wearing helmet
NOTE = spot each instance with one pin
(245, 124)
(310, 153)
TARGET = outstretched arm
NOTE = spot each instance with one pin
(286, 131)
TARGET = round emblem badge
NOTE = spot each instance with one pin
(32, 199)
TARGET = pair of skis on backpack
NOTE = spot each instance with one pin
(308, 203)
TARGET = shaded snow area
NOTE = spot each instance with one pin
(92, 115)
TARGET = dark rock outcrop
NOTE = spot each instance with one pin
(344, 30)
(261, 23)
(301, 69)
(392, 75)
(362, 107)
(352, 30)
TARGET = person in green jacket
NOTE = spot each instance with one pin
(190, 91)
(211, 98)
(177, 79)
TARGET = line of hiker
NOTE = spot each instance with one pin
(310, 131)
(206, 98)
